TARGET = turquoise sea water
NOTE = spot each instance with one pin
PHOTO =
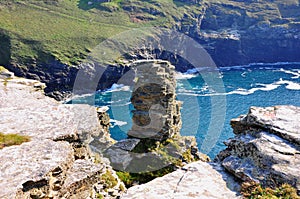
(211, 98)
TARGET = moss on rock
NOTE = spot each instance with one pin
(254, 190)
(12, 139)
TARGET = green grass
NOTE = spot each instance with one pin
(66, 37)
(12, 139)
(67, 30)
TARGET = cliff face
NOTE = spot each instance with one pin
(233, 32)
(242, 32)
(266, 146)
(58, 161)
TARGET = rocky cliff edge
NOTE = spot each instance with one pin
(266, 146)
(56, 162)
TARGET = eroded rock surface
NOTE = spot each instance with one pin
(154, 138)
(157, 112)
(266, 146)
(57, 162)
(195, 180)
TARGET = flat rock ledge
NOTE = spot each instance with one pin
(58, 161)
(266, 148)
(195, 180)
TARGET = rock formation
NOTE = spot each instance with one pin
(57, 162)
(157, 112)
(155, 135)
(266, 146)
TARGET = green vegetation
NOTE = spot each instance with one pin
(166, 151)
(108, 180)
(252, 190)
(99, 196)
(67, 30)
(130, 179)
(121, 187)
(12, 139)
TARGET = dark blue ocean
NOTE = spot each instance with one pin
(211, 98)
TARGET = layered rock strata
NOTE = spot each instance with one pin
(56, 162)
(154, 140)
(266, 146)
(157, 112)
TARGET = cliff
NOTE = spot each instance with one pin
(266, 147)
(58, 161)
(50, 40)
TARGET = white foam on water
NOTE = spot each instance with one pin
(185, 75)
(296, 73)
(261, 66)
(78, 97)
(289, 84)
(118, 87)
(117, 123)
(265, 87)
(242, 91)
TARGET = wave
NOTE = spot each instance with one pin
(113, 104)
(241, 91)
(291, 72)
(289, 84)
(118, 87)
(117, 123)
(262, 66)
(190, 73)
(266, 87)
(185, 76)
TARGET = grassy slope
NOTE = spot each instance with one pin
(64, 30)
(69, 29)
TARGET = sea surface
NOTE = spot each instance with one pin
(211, 98)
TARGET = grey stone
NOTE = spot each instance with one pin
(266, 146)
(127, 144)
(195, 180)
(80, 177)
(157, 112)
(25, 168)
(59, 133)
